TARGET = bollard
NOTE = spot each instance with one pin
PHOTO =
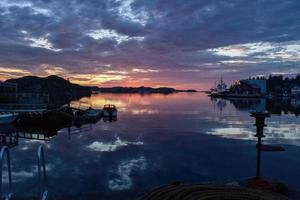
(258, 182)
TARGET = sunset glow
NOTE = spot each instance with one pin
(153, 43)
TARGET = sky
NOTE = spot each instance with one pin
(178, 43)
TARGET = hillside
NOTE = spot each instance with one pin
(59, 89)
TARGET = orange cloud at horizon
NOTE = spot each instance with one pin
(146, 83)
(134, 77)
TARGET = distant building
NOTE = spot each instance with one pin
(295, 103)
(295, 91)
(8, 87)
(260, 84)
(32, 98)
(243, 88)
(8, 92)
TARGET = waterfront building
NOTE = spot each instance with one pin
(244, 88)
(260, 84)
(33, 98)
(295, 103)
(8, 92)
(295, 91)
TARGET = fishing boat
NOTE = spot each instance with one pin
(109, 110)
(219, 90)
(241, 89)
(7, 118)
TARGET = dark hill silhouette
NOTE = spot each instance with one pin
(60, 90)
(141, 90)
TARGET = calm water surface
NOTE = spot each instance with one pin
(160, 139)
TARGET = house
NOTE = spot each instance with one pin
(243, 88)
(8, 92)
(260, 84)
(295, 91)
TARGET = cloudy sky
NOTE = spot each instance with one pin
(178, 43)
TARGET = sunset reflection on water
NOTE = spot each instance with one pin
(158, 139)
(237, 123)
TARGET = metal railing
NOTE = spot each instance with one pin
(4, 150)
(43, 191)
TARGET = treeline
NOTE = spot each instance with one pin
(280, 84)
(141, 90)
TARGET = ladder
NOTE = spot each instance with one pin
(5, 150)
(42, 178)
(43, 191)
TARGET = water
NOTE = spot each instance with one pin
(159, 139)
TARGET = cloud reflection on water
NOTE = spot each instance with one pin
(113, 146)
(190, 138)
(123, 179)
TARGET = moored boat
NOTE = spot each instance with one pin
(219, 90)
(93, 113)
(7, 118)
(109, 110)
(89, 115)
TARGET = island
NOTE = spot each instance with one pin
(140, 90)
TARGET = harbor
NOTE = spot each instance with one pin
(33, 108)
(130, 146)
(149, 100)
(273, 87)
(30, 120)
(64, 115)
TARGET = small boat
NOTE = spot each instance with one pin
(109, 110)
(93, 113)
(7, 118)
(110, 119)
(87, 116)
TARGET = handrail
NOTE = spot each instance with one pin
(43, 192)
(5, 149)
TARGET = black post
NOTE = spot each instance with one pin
(260, 124)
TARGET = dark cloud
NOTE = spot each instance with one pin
(183, 39)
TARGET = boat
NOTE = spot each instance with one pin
(109, 110)
(219, 90)
(93, 113)
(87, 116)
(110, 119)
(241, 89)
(7, 118)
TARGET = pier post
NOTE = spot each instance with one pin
(258, 182)
(260, 124)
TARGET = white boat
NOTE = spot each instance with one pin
(7, 118)
(219, 90)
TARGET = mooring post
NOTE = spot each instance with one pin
(260, 124)
(259, 182)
